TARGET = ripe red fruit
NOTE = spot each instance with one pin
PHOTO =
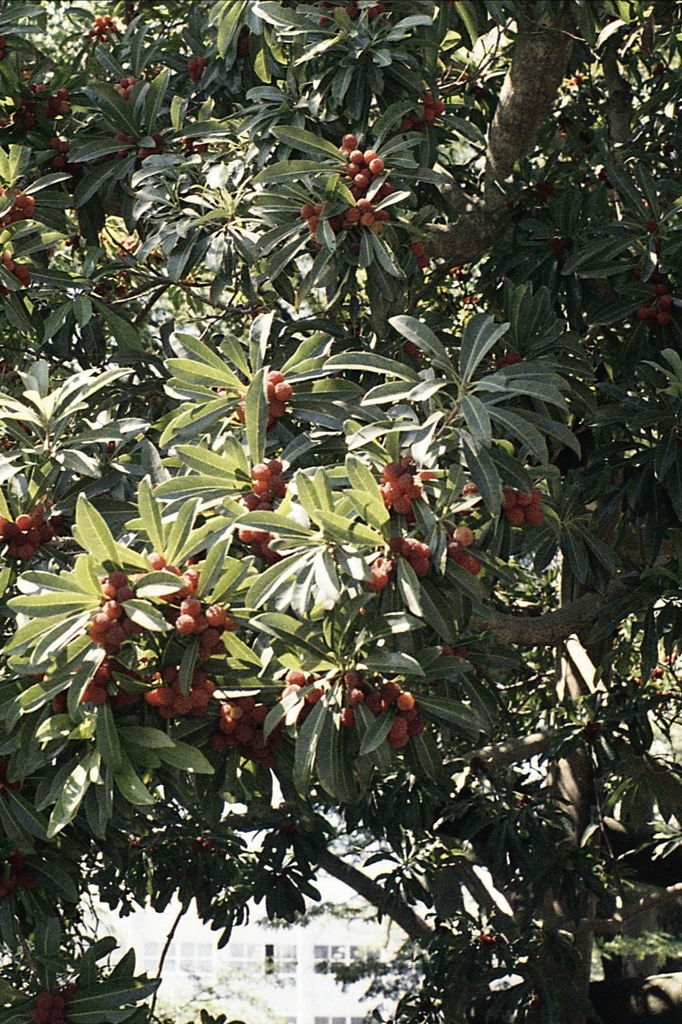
(464, 535)
(405, 701)
(157, 561)
(651, 226)
(663, 318)
(296, 678)
(665, 301)
(185, 624)
(349, 143)
(516, 516)
(534, 516)
(24, 523)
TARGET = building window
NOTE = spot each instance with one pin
(246, 957)
(341, 954)
(339, 1020)
(196, 957)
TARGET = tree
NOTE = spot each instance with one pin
(341, 413)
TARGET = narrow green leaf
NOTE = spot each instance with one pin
(256, 415)
(107, 737)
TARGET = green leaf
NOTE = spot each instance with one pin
(333, 766)
(478, 420)
(159, 583)
(306, 142)
(150, 512)
(146, 615)
(483, 472)
(107, 737)
(130, 785)
(454, 712)
(424, 338)
(71, 796)
(480, 334)
(181, 530)
(143, 736)
(284, 169)
(230, 19)
(256, 415)
(30, 820)
(427, 755)
(377, 732)
(154, 99)
(294, 633)
(267, 583)
(393, 661)
(306, 746)
(184, 756)
(93, 534)
(371, 363)
(345, 531)
(408, 585)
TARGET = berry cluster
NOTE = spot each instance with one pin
(352, 11)
(295, 681)
(102, 689)
(111, 626)
(279, 391)
(364, 213)
(243, 44)
(413, 551)
(125, 86)
(18, 270)
(431, 109)
(160, 147)
(508, 359)
(656, 311)
(241, 725)
(103, 25)
(196, 67)
(457, 545)
(170, 700)
(4, 784)
(16, 873)
(189, 616)
(23, 207)
(62, 146)
(57, 104)
(407, 722)
(259, 542)
(268, 485)
(560, 245)
(523, 509)
(3, 47)
(130, 140)
(400, 488)
(419, 252)
(382, 571)
(24, 537)
(363, 168)
(50, 1006)
(543, 190)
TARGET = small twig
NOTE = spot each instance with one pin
(30, 959)
(164, 953)
(151, 301)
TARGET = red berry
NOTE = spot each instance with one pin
(651, 226)
(157, 561)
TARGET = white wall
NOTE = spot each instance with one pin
(264, 975)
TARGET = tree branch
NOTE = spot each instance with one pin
(659, 897)
(544, 630)
(540, 60)
(619, 103)
(501, 755)
(399, 911)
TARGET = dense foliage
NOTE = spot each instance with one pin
(341, 480)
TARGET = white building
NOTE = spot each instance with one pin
(264, 975)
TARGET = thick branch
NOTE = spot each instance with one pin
(399, 911)
(548, 629)
(659, 897)
(541, 57)
(501, 755)
(619, 103)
